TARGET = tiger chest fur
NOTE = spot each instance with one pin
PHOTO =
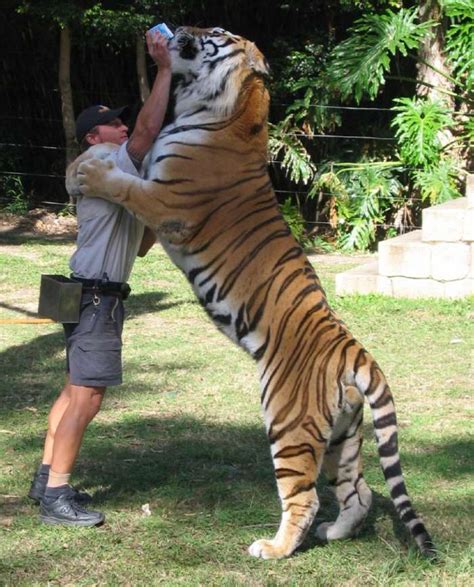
(209, 195)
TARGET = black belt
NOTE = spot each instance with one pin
(106, 287)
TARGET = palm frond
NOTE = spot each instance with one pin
(439, 184)
(296, 161)
(358, 65)
(418, 125)
(460, 39)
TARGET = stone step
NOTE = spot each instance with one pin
(410, 257)
(437, 261)
(451, 221)
(470, 190)
(405, 255)
(364, 279)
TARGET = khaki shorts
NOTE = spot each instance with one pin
(94, 344)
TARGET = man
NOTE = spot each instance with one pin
(109, 239)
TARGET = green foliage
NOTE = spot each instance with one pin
(439, 183)
(67, 211)
(358, 65)
(295, 221)
(284, 140)
(468, 134)
(15, 195)
(184, 434)
(115, 27)
(61, 13)
(418, 125)
(362, 196)
(304, 80)
(460, 39)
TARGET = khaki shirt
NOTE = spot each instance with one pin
(108, 236)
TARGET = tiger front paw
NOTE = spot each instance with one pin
(96, 177)
(267, 549)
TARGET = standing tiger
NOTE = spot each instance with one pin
(209, 196)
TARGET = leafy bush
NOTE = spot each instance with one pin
(304, 81)
(295, 221)
(362, 196)
(17, 200)
(357, 66)
(418, 125)
(421, 125)
(459, 39)
(438, 184)
(285, 142)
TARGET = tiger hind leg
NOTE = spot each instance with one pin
(297, 463)
(343, 468)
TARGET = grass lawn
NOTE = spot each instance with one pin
(184, 435)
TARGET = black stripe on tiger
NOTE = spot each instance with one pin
(264, 206)
(385, 421)
(300, 489)
(161, 158)
(295, 451)
(398, 490)
(394, 470)
(213, 64)
(389, 448)
(221, 188)
(233, 275)
(260, 352)
(171, 181)
(281, 473)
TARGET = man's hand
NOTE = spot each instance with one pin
(158, 49)
(151, 116)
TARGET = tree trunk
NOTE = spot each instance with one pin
(66, 94)
(143, 85)
(431, 53)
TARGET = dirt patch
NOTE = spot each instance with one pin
(40, 222)
(37, 222)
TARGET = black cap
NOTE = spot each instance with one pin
(95, 115)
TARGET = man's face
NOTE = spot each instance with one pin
(114, 131)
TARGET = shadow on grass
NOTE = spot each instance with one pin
(33, 372)
(22, 235)
(190, 466)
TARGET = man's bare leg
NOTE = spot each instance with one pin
(79, 406)
(69, 417)
(55, 415)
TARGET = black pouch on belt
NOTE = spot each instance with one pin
(60, 298)
(125, 290)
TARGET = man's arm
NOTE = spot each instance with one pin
(148, 240)
(152, 113)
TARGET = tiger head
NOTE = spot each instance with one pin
(211, 66)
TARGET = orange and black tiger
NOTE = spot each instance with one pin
(209, 196)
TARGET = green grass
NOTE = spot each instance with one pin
(184, 434)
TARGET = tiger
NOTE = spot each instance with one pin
(208, 194)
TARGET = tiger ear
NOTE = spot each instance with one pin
(256, 60)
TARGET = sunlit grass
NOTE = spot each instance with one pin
(184, 435)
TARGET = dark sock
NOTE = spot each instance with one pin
(52, 493)
(44, 469)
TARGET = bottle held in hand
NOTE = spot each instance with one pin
(163, 29)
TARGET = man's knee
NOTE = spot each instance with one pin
(87, 400)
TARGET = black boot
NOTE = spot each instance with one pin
(64, 510)
(38, 485)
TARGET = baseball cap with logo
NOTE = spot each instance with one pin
(95, 115)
